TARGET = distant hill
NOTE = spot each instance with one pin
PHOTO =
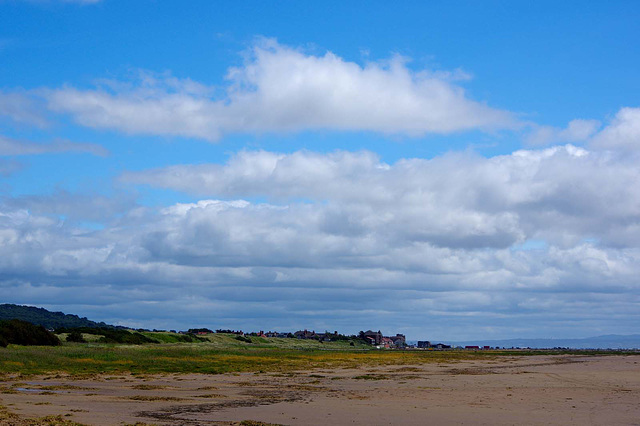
(48, 319)
(610, 341)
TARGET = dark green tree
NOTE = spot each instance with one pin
(19, 332)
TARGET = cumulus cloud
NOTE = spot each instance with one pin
(13, 147)
(281, 89)
(458, 200)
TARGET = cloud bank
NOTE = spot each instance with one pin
(281, 89)
(459, 200)
(526, 243)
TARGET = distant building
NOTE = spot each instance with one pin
(424, 344)
(386, 342)
(305, 334)
(399, 340)
(442, 346)
(239, 332)
(373, 337)
(327, 337)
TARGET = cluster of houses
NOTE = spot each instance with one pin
(374, 338)
(425, 344)
(301, 334)
(323, 337)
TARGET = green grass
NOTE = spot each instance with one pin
(163, 337)
(81, 359)
(229, 340)
(223, 354)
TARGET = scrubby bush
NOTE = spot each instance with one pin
(190, 338)
(20, 332)
(124, 336)
(75, 336)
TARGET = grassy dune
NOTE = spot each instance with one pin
(229, 341)
(221, 354)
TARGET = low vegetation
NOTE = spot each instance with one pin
(109, 335)
(76, 336)
(167, 337)
(221, 353)
(9, 418)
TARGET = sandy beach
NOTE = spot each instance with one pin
(559, 389)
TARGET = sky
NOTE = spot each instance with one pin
(447, 170)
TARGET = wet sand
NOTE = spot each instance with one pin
(559, 389)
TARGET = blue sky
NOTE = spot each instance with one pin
(447, 170)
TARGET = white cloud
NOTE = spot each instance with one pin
(458, 200)
(576, 131)
(622, 133)
(21, 108)
(280, 89)
(73, 207)
(12, 147)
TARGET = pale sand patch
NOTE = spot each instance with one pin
(560, 389)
